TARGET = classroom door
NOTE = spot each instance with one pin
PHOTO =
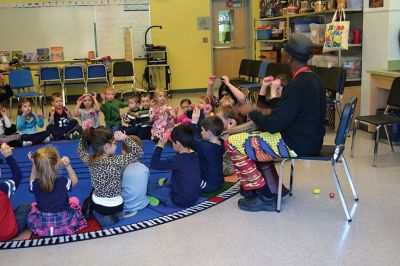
(229, 36)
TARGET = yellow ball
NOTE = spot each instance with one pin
(316, 191)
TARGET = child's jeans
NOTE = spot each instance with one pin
(59, 132)
(21, 214)
(162, 193)
(36, 138)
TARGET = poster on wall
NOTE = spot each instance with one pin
(375, 3)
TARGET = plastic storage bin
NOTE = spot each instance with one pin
(303, 25)
(318, 60)
(317, 33)
(355, 4)
(352, 66)
(263, 34)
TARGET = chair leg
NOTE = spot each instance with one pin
(376, 146)
(346, 169)
(339, 189)
(10, 107)
(353, 138)
(388, 137)
(278, 204)
(291, 177)
(63, 93)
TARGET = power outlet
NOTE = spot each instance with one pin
(205, 40)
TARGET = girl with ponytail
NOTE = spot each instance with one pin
(53, 213)
(106, 169)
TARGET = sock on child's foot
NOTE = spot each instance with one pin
(161, 181)
(154, 201)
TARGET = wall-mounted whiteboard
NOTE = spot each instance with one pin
(110, 24)
(26, 29)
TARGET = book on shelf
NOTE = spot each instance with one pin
(5, 57)
(43, 54)
(29, 57)
(57, 53)
(16, 55)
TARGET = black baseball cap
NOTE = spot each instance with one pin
(299, 46)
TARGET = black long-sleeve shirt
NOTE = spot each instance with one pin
(299, 115)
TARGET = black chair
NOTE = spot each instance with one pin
(275, 69)
(334, 79)
(123, 73)
(328, 153)
(248, 72)
(384, 120)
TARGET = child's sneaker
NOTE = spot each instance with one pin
(154, 201)
(129, 214)
(26, 143)
(161, 181)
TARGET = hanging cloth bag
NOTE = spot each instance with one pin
(337, 33)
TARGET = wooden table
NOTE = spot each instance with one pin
(381, 83)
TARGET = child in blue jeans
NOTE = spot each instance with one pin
(184, 188)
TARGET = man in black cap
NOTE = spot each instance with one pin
(298, 114)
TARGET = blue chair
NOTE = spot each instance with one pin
(253, 88)
(49, 77)
(21, 82)
(328, 153)
(97, 74)
(73, 76)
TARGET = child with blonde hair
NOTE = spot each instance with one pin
(161, 115)
(87, 109)
(111, 109)
(53, 213)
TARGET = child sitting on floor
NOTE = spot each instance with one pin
(62, 124)
(110, 108)
(132, 116)
(106, 170)
(161, 115)
(134, 183)
(27, 122)
(87, 109)
(53, 213)
(183, 119)
(12, 222)
(211, 151)
(145, 123)
(183, 189)
(8, 131)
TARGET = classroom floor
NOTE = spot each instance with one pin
(310, 230)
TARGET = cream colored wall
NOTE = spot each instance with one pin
(380, 31)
